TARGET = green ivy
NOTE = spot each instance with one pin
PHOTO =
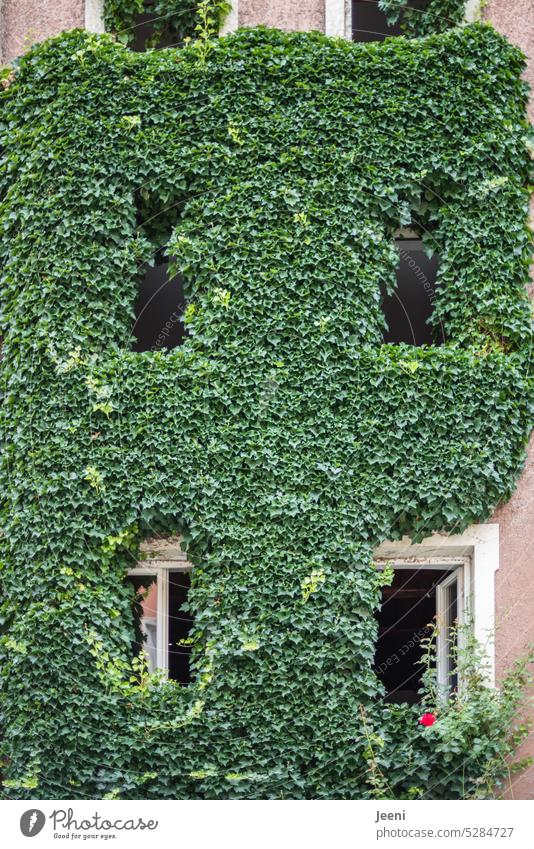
(283, 440)
(173, 20)
(435, 16)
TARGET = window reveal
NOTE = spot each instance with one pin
(419, 598)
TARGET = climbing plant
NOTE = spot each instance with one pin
(426, 18)
(170, 20)
(283, 439)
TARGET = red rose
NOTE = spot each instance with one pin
(427, 719)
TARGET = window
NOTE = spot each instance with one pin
(144, 29)
(409, 308)
(161, 624)
(369, 21)
(159, 308)
(477, 550)
(157, 28)
(419, 595)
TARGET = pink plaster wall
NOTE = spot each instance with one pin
(514, 586)
(283, 14)
(26, 21)
(515, 19)
(514, 589)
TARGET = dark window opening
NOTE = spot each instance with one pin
(409, 308)
(369, 21)
(409, 606)
(159, 309)
(180, 624)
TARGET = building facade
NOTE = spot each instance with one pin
(492, 561)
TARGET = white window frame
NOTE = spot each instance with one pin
(338, 18)
(478, 549)
(164, 556)
(460, 576)
(473, 11)
(231, 22)
(94, 16)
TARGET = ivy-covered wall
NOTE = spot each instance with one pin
(436, 16)
(283, 440)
